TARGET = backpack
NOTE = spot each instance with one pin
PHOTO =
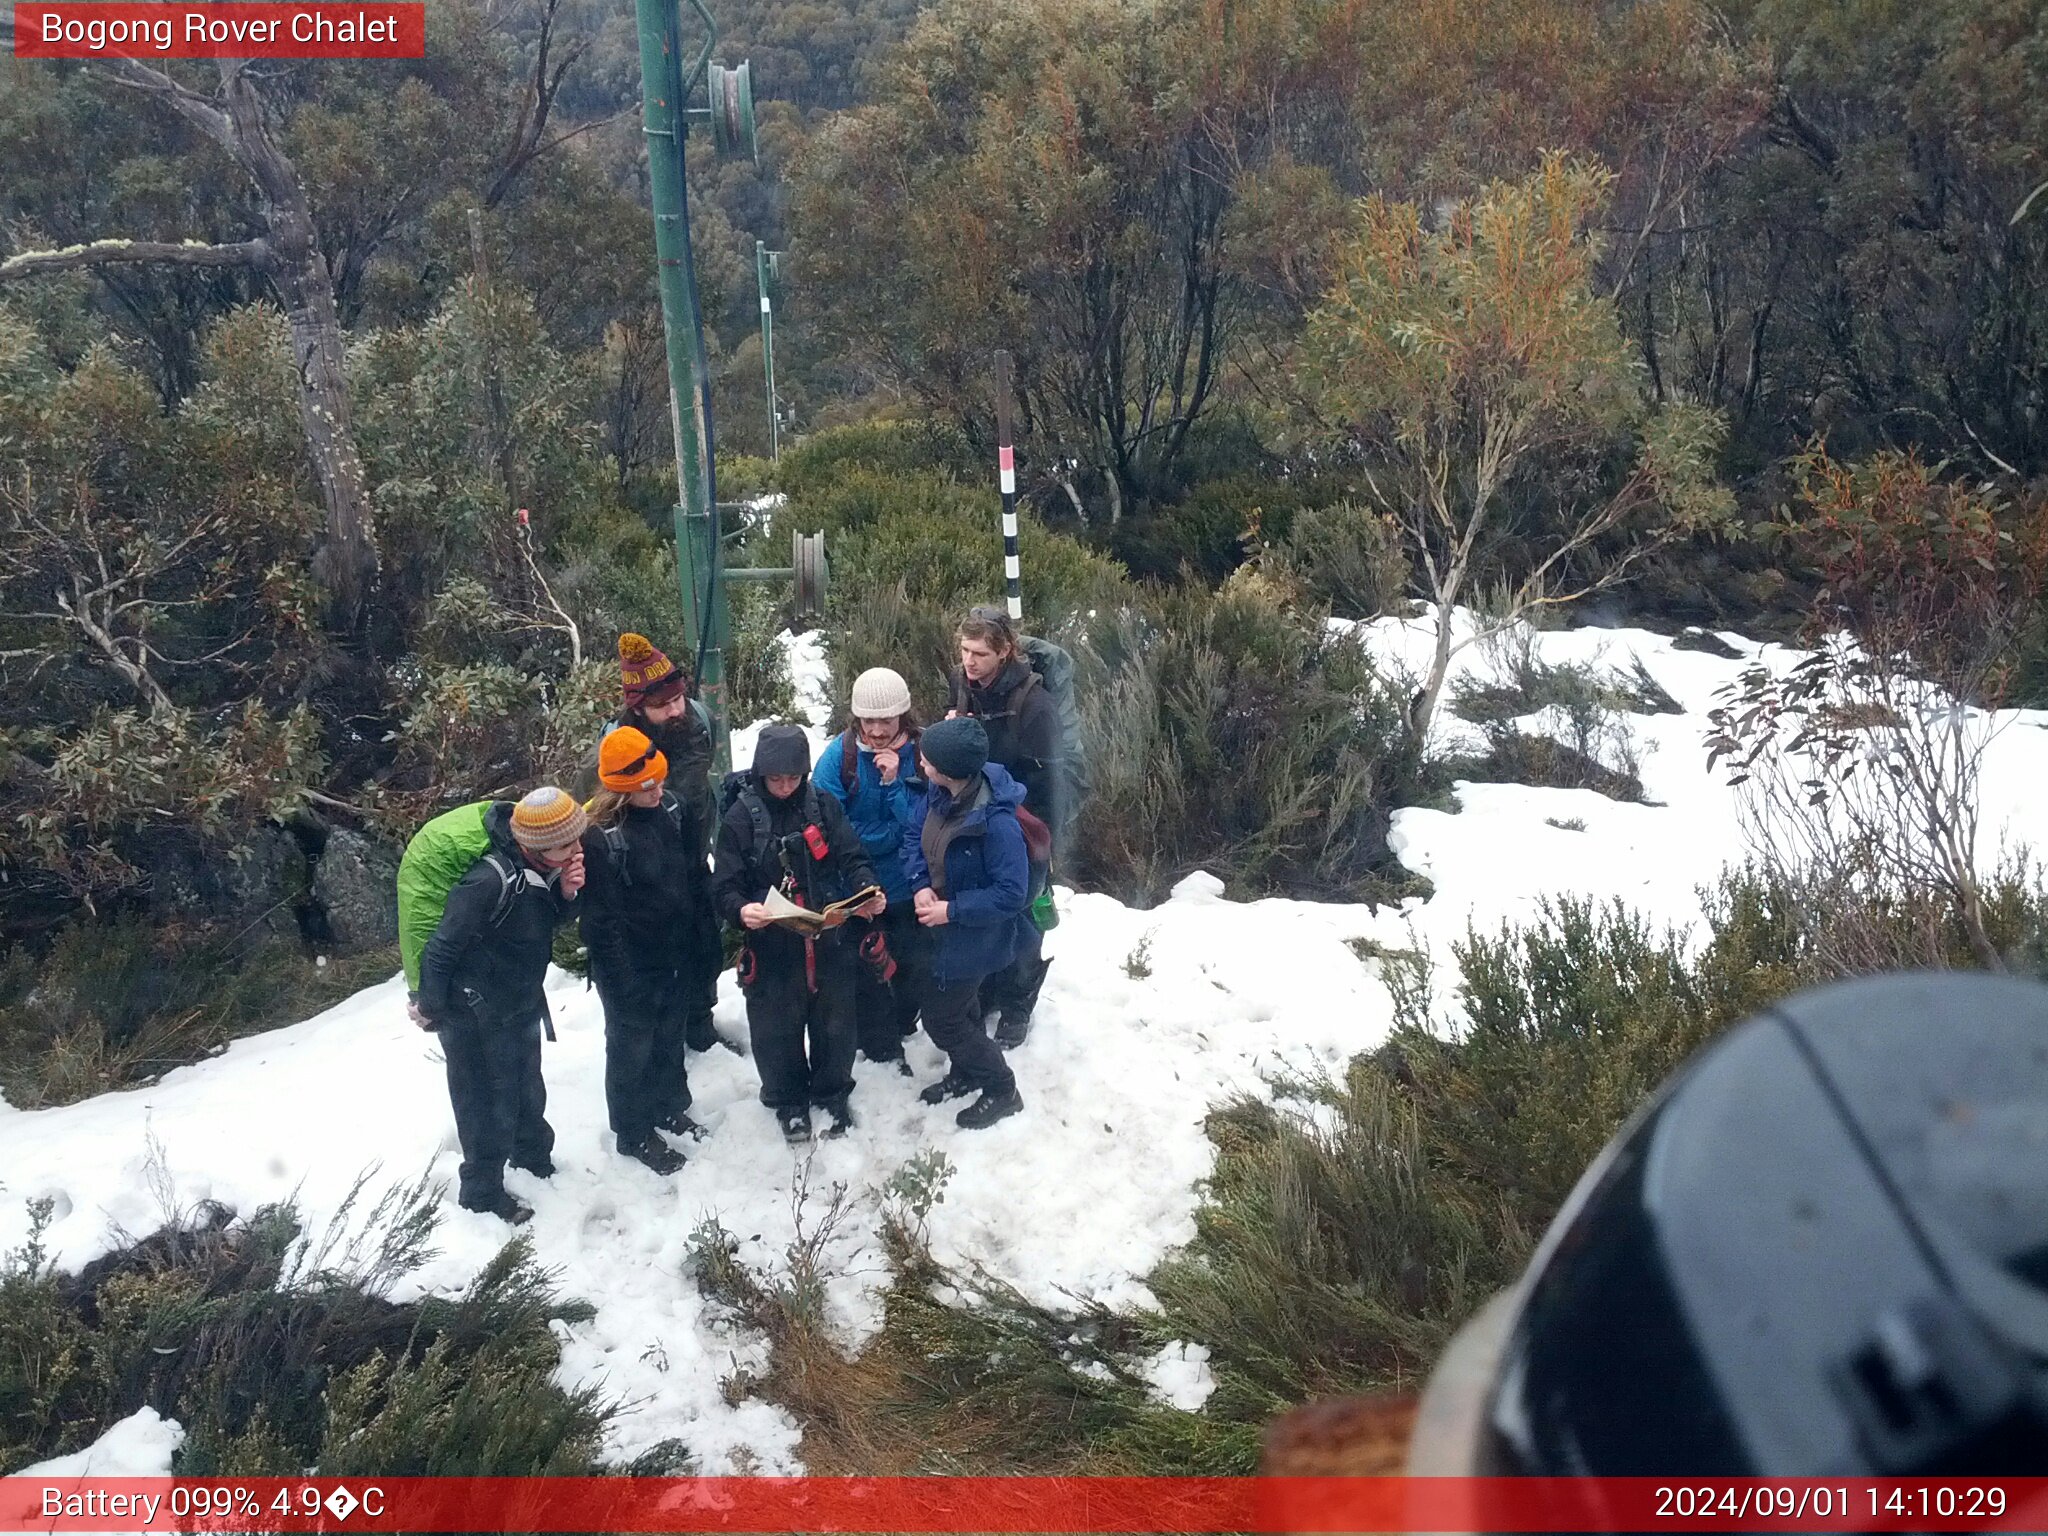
(738, 787)
(435, 860)
(615, 836)
(1055, 669)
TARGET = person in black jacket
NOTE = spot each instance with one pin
(652, 939)
(655, 695)
(779, 833)
(996, 685)
(480, 989)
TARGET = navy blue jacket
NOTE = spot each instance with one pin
(988, 879)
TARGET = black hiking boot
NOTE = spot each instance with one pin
(795, 1123)
(992, 1106)
(840, 1114)
(951, 1086)
(894, 1059)
(653, 1153)
(680, 1124)
(506, 1207)
(540, 1168)
(1011, 1032)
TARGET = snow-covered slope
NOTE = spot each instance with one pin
(1149, 1018)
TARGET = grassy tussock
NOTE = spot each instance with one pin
(120, 1003)
(280, 1351)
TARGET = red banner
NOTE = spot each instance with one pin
(79, 29)
(1177, 1506)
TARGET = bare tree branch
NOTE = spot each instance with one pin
(103, 253)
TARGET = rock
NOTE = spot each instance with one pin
(261, 880)
(355, 884)
(1693, 638)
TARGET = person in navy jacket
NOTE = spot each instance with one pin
(970, 883)
(871, 768)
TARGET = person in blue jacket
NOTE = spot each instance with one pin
(871, 768)
(970, 883)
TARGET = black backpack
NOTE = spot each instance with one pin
(738, 787)
(615, 835)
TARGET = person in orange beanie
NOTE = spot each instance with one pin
(655, 695)
(653, 942)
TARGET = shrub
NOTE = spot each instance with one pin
(280, 1357)
(121, 1002)
(758, 685)
(900, 448)
(217, 784)
(1207, 533)
(902, 580)
(1346, 557)
(1233, 733)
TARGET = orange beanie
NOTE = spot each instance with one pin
(627, 761)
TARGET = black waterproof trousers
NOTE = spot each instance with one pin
(887, 1010)
(952, 1017)
(646, 1076)
(500, 1103)
(802, 1024)
(1013, 991)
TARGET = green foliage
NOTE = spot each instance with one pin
(1232, 733)
(1325, 1257)
(121, 1002)
(490, 728)
(757, 681)
(1345, 556)
(279, 1357)
(1207, 533)
(899, 448)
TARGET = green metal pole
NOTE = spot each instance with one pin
(699, 574)
(768, 345)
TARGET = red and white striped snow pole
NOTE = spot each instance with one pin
(1006, 476)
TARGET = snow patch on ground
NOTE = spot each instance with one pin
(140, 1445)
(1149, 1019)
(1179, 1376)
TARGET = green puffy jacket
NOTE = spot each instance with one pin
(439, 855)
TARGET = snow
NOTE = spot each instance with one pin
(140, 1445)
(1179, 1376)
(1149, 1018)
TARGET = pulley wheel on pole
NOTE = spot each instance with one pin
(732, 110)
(807, 561)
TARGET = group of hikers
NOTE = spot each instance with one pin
(903, 877)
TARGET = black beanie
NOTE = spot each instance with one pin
(781, 749)
(958, 748)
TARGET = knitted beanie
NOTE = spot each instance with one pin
(646, 674)
(781, 749)
(628, 762)
(958, 748)
(880, 694)
(548, 819)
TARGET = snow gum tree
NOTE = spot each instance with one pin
(1483, 380)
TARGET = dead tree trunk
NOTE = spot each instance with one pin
(289, 256)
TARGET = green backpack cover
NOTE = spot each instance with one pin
(438, 856)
